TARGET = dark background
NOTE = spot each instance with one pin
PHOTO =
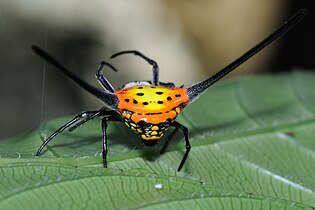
(189, 39)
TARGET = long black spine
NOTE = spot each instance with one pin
(196, 89)
(109, 99)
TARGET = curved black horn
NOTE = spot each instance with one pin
(110, 100)
(195, 90)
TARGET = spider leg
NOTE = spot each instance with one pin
(167, 84)
(155, 67)
(186, 135)
(102, 79)
(169, 138)
(61, 129)
(89, 117)
(105, 119)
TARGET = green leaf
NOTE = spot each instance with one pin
(253, 147)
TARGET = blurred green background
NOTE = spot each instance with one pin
(189, 39)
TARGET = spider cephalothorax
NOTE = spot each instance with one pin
(149, 108)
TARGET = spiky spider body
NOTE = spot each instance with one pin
(149, 108)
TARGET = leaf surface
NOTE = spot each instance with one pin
(253, 147)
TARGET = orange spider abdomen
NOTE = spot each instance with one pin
(150, 99)
(145, 107)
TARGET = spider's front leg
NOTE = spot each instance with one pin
(67, 125)
(102, 79)
(155, 66)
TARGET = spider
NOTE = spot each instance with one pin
(149, 108)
